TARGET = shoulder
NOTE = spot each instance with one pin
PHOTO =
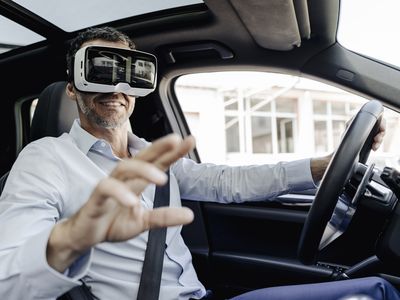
(49, 142)
(44, 149)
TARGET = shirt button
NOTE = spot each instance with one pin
(103, 144)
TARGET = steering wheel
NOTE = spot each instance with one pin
(354, 147)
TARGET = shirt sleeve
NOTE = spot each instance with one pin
(30, 205)
(226, 184)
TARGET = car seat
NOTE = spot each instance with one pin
(54, 115)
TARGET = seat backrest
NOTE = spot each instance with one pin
(54, 113)
(3, 180)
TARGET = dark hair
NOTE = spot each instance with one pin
(95, 33)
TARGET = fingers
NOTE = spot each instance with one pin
(382, 125)
(138, 169)
(137, 185)
(167, 150)
(168, 158)
(107, 189)
(159, 147)
(167, 216)
(146, 166)
(378, 139)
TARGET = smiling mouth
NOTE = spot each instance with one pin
(111, 103)
(109, 100)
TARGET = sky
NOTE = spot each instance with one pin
(73, 15)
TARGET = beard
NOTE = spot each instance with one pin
(90, 113)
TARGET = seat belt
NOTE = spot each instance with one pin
(150, 280)
(81, 292)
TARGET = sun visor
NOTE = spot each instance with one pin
(275, 24)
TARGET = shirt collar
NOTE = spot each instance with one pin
(85, 141)
(135, 143)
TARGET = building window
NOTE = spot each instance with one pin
(285, 133)
(330, 117)
(261, 121)
(241, 118)
(232, 134)
(321, 134)
(261, 134)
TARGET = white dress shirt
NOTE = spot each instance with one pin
(53, 177)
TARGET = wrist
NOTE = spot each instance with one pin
(318, 166)
(61, 251)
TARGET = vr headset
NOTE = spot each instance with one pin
(103, 69)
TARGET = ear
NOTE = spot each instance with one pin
(70, 91)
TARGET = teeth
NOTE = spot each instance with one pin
(113, 104)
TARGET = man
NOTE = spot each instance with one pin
(78, 206)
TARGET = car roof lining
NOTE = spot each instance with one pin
(366, 80)
(203, 25)
(159, 34)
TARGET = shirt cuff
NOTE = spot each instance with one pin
(43, 281)
(299, 177)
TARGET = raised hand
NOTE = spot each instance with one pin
(114, 212)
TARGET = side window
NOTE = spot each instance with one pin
(32, 110)
(23, 111)
(243, 118)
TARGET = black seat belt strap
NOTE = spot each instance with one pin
(81, 292)
(150, 280)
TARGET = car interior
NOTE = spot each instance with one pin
(236, 247)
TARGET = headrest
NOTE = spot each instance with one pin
(54, 113)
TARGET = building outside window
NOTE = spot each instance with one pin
(264, 118)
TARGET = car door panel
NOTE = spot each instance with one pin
(239, 247)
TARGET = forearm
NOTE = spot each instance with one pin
(208, 182)
(318, 166)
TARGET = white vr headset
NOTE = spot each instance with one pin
(103, 69)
